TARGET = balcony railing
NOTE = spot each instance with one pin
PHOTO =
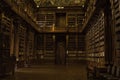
(20, 11)
(89, 14)
(59, 29)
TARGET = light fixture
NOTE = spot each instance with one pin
(60, 7)
(37, 6)
(83, 6)
(53, 27)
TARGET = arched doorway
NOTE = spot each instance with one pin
(60, 50)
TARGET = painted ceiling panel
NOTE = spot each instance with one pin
(47, 3)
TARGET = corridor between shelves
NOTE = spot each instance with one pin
(50, 72)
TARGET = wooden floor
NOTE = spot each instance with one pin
(50, 72)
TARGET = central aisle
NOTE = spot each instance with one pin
(51, 72)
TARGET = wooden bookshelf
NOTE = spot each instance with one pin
(29, 8)
(22, 40)
(26, 15)
(71, 20)
(31, 43)
(46, 48)
(49, 42)
(80, 19)
(15, 21)
(5, 32)
(40, 40)
(6, 24)
(71, 48)
(89, 13)
(116, 18)
(29, 55)
(81, 47)
(74, 19)
(5, 43)
(49, 55)
(46, 20)
(72, 42)
(95, 42)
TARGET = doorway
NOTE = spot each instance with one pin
(60, 50)
(60, 19)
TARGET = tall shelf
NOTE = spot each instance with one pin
(74, 21)
(95, 43)
(46, 20)
(40, 41)
(6, 24)
(81, 46)
(14, 24)
(49, 48)
(71, 20)
(5, 33)
(71, 48)
(49, 42)
(72, 42)
(116, 17)
(5, 43)
(22, 39)
(30, 45)
(46, 47)
(80, 19)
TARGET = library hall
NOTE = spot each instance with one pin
(59, 39)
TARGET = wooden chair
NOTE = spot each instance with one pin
(114, 76)
(107, 73)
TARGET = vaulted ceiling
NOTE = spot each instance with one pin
(47, 3)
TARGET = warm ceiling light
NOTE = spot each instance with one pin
(37, 6)
(60, 7)
(83, 6)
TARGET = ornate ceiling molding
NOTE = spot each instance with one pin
(47, 3)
